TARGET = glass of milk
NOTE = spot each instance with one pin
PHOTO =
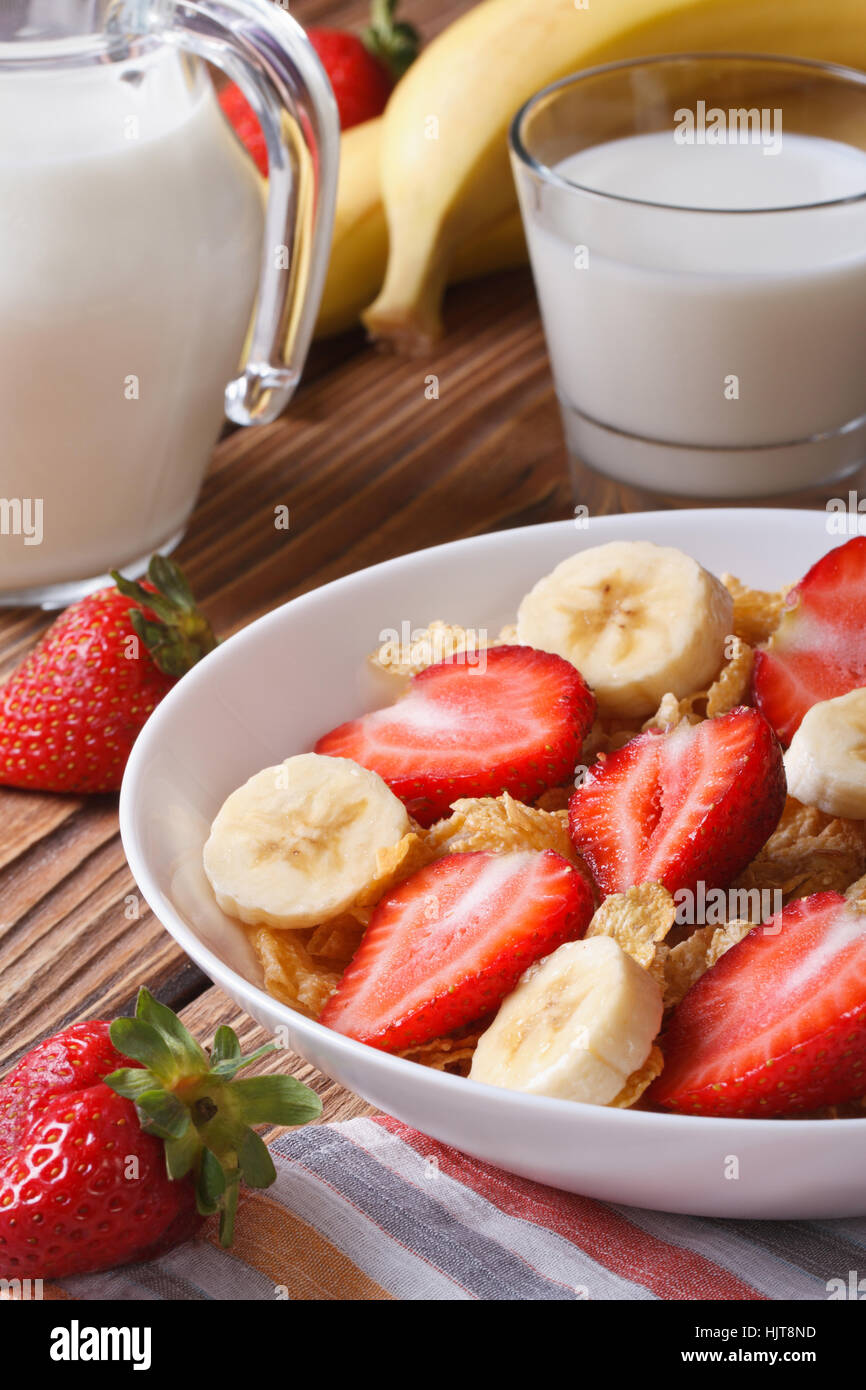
(697, 233)
(150, 281)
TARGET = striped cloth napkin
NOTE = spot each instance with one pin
(370, 1209)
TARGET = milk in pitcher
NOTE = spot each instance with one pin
(130, 239)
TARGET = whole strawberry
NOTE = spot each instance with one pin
(71, 712)
(362, 70)
(243, 120)
(361, 81)
(116, 1141)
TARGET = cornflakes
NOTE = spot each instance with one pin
(692, 958)
(808, 852)
(555, 798)
(597, 741)
(638, 920)
(290, 972)
(672, 712)
(639, 1080)
(453, 1054)
(499, 824)
(856, 894)
(731, 686)
(437, 642)
(393, 864)
(756, 611)
(729, 689)
(337, 940)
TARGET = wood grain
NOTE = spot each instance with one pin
(370, 468)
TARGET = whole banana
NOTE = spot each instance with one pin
(359, 250)
(445, 169)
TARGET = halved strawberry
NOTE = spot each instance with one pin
(778, 1025)
(695, 804)
(445, 947)
(515, 723)
(818, 650)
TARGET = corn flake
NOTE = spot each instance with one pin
(672, 712)
(757, 612)
(500, 824)
(692, 958)
(729, 689)
(290, 972)
(639, 1080)
(597, 741)
(638, 920)
(555, 799)
(394, 863)
(437, 642)
(808, 852)
(336, 941)
(731, 686)
(453, 1054)
(856, 894)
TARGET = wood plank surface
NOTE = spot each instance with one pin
(370, 468)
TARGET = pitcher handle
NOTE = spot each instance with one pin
(268, 55)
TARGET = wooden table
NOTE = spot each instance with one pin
(370, 469)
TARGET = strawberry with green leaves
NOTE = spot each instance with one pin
(71, 712)
(116, 1141)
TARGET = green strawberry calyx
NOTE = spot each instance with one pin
(178, 635)
(204, 1116)
(394, 42)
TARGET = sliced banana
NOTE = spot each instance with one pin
(826, 761)
(297, 843)
(637, 620)
(577, 1026)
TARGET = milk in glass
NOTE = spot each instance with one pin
(720, 336)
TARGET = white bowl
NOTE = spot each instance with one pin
(273, 688)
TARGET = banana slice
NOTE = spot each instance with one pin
(826, 761)
(637, 620)
(297, 843)
(577, 1026)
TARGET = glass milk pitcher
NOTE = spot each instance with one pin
(149, 279)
